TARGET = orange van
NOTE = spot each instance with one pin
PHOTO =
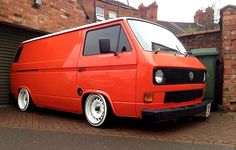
(126, 66)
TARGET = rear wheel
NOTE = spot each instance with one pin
(24, 100)
(97, 110)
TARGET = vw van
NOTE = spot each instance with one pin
(127, 67)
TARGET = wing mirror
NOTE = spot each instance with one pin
(104, 46)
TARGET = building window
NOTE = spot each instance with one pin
(100, 14)
(112, 14)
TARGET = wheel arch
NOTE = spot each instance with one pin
(106, 96)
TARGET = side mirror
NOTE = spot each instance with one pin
(104, 46)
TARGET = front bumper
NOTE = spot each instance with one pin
(173, 113)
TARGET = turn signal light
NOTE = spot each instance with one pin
(148, 98)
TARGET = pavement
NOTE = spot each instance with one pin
(27, 139)
(50, 129)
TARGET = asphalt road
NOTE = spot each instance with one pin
(27, 139)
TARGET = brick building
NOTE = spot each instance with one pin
(21, 20)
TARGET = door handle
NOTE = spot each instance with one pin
(81, 69)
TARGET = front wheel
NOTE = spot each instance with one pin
(96, 110)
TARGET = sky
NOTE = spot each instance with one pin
(180, 10)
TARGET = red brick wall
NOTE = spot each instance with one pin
(51, 16)
(58, 15)
(202, 39)
(228, 17)
(129, 13)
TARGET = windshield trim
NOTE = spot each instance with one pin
(127, 20)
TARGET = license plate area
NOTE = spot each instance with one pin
(208, 110)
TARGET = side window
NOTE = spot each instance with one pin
(115, 35)
(124, 45)
(18, 53)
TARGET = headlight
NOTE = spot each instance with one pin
(204, 76)
(159, 76)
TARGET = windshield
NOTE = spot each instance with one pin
(154, 38)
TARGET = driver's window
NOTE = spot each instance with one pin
(115, 35)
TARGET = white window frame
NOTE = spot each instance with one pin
(100, 17)
(111, 13)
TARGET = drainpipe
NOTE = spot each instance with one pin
(95, 17)
(82, 7)
(118, 11)
(128, 7)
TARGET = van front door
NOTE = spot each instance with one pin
(107, 65)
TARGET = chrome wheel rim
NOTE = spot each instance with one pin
(23, 99)
(95, 109)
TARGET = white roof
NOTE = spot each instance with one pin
(74, 29)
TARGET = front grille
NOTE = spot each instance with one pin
(181, 75)
(183, 96)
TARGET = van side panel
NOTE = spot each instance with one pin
(47, 67)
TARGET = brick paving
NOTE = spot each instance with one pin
(219, 129)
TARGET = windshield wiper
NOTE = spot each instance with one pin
(156, 47)
(185, 54)
(166, 48)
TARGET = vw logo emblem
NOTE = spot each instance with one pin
(191, 76)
